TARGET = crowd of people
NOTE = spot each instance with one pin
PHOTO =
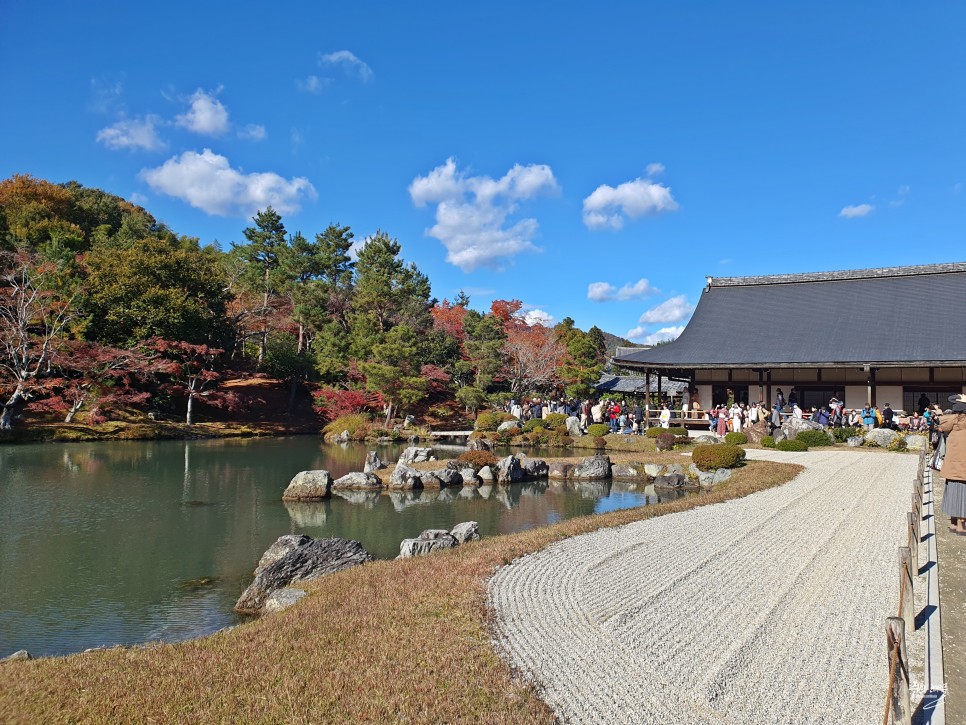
(622, 417)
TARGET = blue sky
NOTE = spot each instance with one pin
(595, 163)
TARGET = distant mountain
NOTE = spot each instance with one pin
(613, 342)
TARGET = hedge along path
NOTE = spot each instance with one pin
(763, 609)
(390, 641)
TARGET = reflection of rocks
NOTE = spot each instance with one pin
(306, 514)
(416, 455)
(294, 559)
(446, 494)
(485, 491)
(359, 498)
(282, 599)
(592, 489)
(358, 481)
(468, 492)
(503, 496)
(404, 499)
(308, 486)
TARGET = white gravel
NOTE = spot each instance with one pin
(766, 609)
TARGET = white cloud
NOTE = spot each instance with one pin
(605, 291)
(207, 115)
(608, 206)
(296, 139)
(133, 133)
(349, 63)
(901, 193)
(207, 181)
(472, 211)
(539, 317)
(665, 334)
(138, 198)
(655, 169)
(313, 84)
(672, 310)
(252, 132)
(853, 212)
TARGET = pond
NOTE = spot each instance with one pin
(130, 542)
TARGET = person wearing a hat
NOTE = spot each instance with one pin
(953, 426)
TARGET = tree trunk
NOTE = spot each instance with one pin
(78, 404)
(388, 413)
(191, 401)
(296, 380)
(6, 418)
(301, 347)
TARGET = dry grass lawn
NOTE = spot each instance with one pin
(391, 641)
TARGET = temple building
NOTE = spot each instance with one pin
(893, 335)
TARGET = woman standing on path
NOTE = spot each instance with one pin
(953, 425)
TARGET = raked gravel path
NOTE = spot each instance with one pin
(766, 609)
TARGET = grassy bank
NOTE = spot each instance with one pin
(392, 641)
(146, 431)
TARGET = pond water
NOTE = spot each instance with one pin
(129, 542)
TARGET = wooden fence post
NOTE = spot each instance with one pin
(898, 672)
(913, 534)
(907, 597)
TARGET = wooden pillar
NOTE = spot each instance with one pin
(647, 403)
(768, 392)
(659, 401)
(871, 386)
(761, 385)
(898, 705)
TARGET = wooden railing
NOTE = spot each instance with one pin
(898, 708)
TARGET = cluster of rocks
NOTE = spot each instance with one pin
(296, 558)
(438, 539)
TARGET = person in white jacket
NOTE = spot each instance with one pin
(736, 416)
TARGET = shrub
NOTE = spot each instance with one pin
(534, 424)
(504, 436)
(491, 419)
(736, 439)
(391, 433)
(768, 441)
(598, 430)
(552, 420)
(683, 440)
(813, 438)
(710, 457)
(538, 436)
(477, 459)
(599, 442)
(356, 423)
(678, 431)
(898, 443)
(655, 432)
(560, 441)
(841, 434)
(561, 430)
(795, 445)
(665, 441)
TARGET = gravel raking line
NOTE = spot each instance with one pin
(766, 609)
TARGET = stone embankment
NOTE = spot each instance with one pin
(765, 609)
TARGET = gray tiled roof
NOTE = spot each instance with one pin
(631, 384)
(891, 316)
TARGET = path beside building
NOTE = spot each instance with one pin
(765, 609)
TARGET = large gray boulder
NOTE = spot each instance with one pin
(309, 486)
(624, 470)
(508, 470)
(674, 482)
(756, 432)
(793, 426)
(441, 479)
(373, 463)
(560, 469)
(507, 424)
(426, 543)
(486, 474)
(19, 656)
(304, 559)
(653, 470)
(707, 479)
(916, 442)
(674, 468)
(880, 437)
(466, 531)
(404, 478)
(478, 444)
(534, 468)
(282, 599)
(573, 427)
(469, 477)
(416, 455)
(358, 482)
(854, 441)
(707, 439)
(593, 467)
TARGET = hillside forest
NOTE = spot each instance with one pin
(105, 312)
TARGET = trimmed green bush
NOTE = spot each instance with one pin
(898, 443)
(710, 457)
(795, 445)
(665, 441)
(598, 430)
(678, 431)
(534, 424)
(768, 441)
(655, 432)
(814, 438)
(491, 419)
(841, 434)
(736, 439)
(552, 420)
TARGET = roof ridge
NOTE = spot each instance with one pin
(910, 271)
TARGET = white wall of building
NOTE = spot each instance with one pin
(855, 396)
